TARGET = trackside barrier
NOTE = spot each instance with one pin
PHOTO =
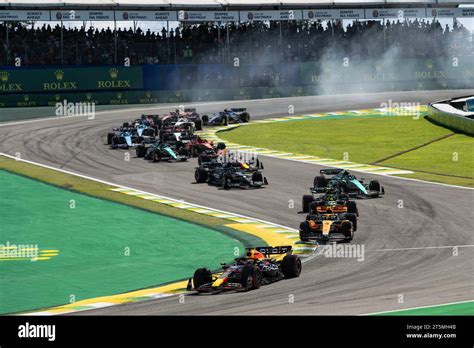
(451, 120)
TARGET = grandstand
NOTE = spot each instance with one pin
(204, 43)
(292, 45)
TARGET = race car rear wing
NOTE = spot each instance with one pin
(331, 171)
(269, 250)
(238, 109)
(190, 110)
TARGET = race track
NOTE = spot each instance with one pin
(432, 216)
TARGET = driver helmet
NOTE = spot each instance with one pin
(255, 255)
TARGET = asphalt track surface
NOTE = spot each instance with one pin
(432, 216)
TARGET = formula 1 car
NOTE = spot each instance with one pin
(118, 131)
(228, 116)
(189, 115)
(124, 140)
(344, 182)
(256, 268)
(215, 154)
(230, 174)
(178, 116)
(144, 131)
(176, 141)
(197, 146)
(331, 197)
(161, 151)
(143, 127)
(328, 226)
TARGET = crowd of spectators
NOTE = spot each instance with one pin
(251, 42)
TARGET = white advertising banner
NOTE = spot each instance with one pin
(24, 15)
(442, 12)
(287, 15)
(395, 13)
(351, 14)
(208, 16)
(333, 14)
(165, 16)
(465, 12)
(76, 15)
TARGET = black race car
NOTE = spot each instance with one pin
(140, 129)
(228, 116)
(230, 174)
(160, 151)
(330, 197)
(256, 268)
(344, 182)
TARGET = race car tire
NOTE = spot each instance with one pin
(251, 278)
(202, 276)
(257, 278)
(159, 124)
(342, 188)
(305, 230)
(348, 230)
(198, 125)
(205, 120)
(200, 175)
(306, 201)
(226, 182)
(109, 138)
(156, 157)
(184, 153)
(114, 142)
(220, 146)
(140, 151)
(374, 185)
(352, 208)
(225, 121)
(245, 117)
(196, 150)
(352, 218)
(257, 176)
(203, 159)
(343, 196)
(312, 207)
(125, 125)
(291, 266)
(320, 181)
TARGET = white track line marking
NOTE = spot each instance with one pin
(391, 174)
(134, 109)
(421, 307)
(174, 200)
(425, 248)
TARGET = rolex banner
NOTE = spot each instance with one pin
(414, 71)
(70, 79)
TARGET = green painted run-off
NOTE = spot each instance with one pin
(464, 308)
(93, 236)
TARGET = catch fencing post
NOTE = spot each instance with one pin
(62, 43)
(228, 41)
(8, 43)
(115, 40)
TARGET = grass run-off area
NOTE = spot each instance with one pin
(98, 242)
(370, 140)
(463, 308)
